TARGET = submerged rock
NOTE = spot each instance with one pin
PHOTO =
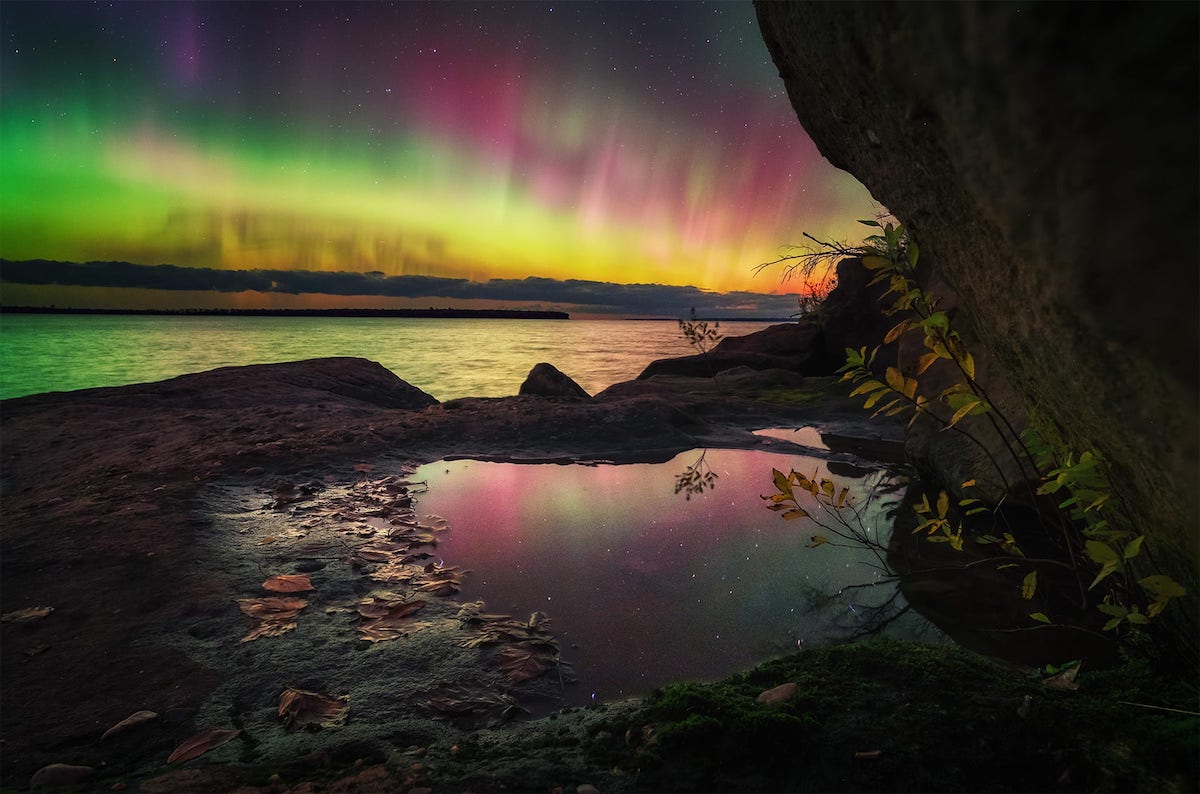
(545, 380)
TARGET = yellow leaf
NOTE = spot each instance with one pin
(943, 504)
(897, 330)
(1039, 617)
(960, 413)
(794, 513)
(818, 540)
(894, 379)
(968, 364)
(876, 397)
(782, 484)
(1029, 585)
(925, 362)
(865, 387)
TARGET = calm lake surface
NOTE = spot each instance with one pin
(445, 358)
(643, 586)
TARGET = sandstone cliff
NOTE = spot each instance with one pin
(1045, 158)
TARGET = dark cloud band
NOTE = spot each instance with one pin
(597, 296)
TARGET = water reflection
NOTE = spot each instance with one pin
(645, 588)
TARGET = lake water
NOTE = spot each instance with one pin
(445, 358)
(643, 586)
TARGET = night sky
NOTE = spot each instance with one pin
(635, 143)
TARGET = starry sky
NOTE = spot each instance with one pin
(528, 143)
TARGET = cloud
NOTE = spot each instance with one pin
(592, 296)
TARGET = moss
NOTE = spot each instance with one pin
(884, 715)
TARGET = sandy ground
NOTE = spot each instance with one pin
(112, 516)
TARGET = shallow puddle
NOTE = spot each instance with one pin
(644, 585)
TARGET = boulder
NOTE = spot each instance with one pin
(1044, 157)
(852, 314)
(311, 381)
(791, 346)
(545, 380)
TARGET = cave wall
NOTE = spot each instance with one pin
(1045, 158)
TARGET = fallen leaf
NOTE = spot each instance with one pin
(387, 619)
(364, 467)
(525, 661)
(272, 615)
(471, 705)
(26, 615)
(441, 580)
(497, 629)
(777, 695)
(133, 720)
(201, 743)
(266, 540)
(288, 583)
(29, 653)
(1064, 680)
(302, 709)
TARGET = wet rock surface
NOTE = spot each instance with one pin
(109, 518)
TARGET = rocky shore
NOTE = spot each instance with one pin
(121, 512)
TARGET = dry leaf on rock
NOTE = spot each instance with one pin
(288, 583)
(387, 619)
(496, 629)
(302, 709)
(471, 705)
(272, 615)
(26, 615)
(133, 720)
(441, 580)
(395, 572)
(525, 661)
(201, 743)
(1064, 680)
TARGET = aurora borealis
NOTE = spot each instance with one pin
(633, 143)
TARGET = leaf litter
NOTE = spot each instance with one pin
(299, 708)
(396, 552)
(271, 616)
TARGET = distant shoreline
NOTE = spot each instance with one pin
(438, 314)
(429, 314)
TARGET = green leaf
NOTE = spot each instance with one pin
(1162, 587)
(1133, 547)
(1039, 617)
(943, 504)
(913, 252)
(1029, 585)
(1101, 553)
(1112, 610)
(1112, 624)
(1105, 572)
(870, 223)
